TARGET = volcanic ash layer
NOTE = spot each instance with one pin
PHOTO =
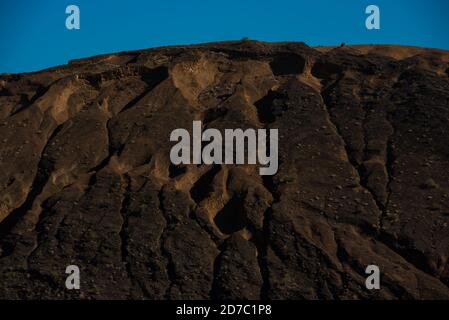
(363, 177)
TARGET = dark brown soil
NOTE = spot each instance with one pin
(363, 177)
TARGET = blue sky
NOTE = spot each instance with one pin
(33, 34)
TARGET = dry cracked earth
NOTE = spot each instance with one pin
(86, 177)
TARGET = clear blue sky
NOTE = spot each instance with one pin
(33, 34)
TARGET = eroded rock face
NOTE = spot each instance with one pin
(86, 177)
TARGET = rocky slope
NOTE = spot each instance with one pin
(363, 150)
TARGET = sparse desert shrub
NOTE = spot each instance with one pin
(429, 184)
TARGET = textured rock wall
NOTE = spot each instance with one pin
(86, 177)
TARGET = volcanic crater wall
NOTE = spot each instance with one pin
(86, 177)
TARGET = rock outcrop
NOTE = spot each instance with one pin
(363, 175)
